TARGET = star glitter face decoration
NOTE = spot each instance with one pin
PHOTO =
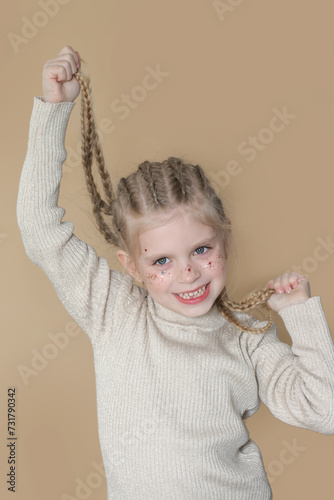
(214, 264)
(184, 266)
(163, 275)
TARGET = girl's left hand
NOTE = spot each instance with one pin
(291, 288)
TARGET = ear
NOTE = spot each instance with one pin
(128, 264)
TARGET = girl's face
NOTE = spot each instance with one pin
(182, 264)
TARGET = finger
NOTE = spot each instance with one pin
(270, 284)
(70, 54)
(277, 284)
(56, 72)
(294, 279)
(286, 283)
(61, 70)
(67, 50)
(71, 60)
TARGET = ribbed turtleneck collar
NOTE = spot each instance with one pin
(212, 320)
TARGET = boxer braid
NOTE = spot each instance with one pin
(155, 187)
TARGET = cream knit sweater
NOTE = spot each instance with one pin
(172, 391)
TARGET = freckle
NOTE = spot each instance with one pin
(160, 277)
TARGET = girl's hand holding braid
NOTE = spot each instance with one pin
(59, 85)
(291, 288)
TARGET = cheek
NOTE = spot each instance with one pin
(215, 265)
(158, 279)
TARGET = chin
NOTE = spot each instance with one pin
(193, 311)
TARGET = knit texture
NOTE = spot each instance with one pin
(172, 391)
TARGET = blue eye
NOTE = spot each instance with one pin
(201, 250)
(162, 261)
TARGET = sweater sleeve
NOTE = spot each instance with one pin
(82, 280)
(297, 383)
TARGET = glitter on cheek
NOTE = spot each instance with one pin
(158, 277)
(214, 265)
(206, 266)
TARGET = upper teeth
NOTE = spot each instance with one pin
(191, 295)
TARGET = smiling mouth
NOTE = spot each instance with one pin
(194, 294)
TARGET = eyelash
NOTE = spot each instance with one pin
(162, 258)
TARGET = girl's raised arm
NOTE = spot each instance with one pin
(82, 280)
(297, 383)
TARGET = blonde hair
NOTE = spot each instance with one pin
(155, 189)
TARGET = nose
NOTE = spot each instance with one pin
(188, 274)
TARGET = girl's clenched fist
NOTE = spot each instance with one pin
(59, 84)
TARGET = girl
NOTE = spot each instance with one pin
(178, 366)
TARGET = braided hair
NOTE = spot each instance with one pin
(154, 188)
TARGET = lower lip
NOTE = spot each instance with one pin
(194, 300)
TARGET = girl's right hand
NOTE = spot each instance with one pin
(59, 84)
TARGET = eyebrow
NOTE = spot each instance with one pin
(202, 243)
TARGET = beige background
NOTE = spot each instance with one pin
(226, 73)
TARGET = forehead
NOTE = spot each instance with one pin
(180, 233)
